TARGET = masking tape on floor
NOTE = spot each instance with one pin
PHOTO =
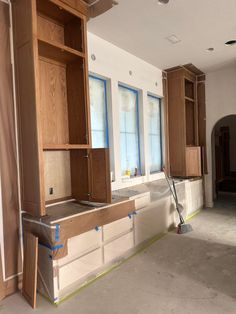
(117, 265)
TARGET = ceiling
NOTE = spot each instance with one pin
(141, 27)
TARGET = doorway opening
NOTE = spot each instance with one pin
(224, 156)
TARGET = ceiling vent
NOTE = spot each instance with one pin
(173, 39)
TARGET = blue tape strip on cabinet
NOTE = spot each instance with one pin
(53, 248)
(57, 233)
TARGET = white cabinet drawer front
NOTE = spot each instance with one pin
(117, 228)
(81, 267)
(153, 220)
(142, 202)
(118, 247)
(81, 244)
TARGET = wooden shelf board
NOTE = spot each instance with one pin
(59, 12)
(65, 146)
(58, 52)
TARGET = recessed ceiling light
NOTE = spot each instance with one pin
(230, 42)
(173, 39)
(163, 1)
(211, 49)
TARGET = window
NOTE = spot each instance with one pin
(129, 131)
(155, 137)
(98, 108)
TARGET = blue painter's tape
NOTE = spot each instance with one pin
(97, 228)
(57, 233)
(53, 248)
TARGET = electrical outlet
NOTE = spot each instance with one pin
(50, 191)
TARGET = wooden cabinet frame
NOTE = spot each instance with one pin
(186, 138)
(53, 103)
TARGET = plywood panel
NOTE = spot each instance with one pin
(50, 30)
(118, 247)
(30, 268)
(176, 113)
(99, 166)
(201, 94)
(28, 111)
(53, 102)
(81, 224)
(77, 103)
(57, 174)
(193, 161)
(8, 153)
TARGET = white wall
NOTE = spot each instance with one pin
(220, 102)
(115, 64)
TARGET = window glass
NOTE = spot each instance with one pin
(129, 131)
(98, 109)
(155, 136)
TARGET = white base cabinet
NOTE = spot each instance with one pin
(91, 253)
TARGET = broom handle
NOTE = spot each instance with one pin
(172, 192)
(177, 202)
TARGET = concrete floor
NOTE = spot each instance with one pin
(193, 273)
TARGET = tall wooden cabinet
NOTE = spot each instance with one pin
(57, 161)
(185, 120)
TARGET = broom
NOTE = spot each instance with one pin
(182, 226)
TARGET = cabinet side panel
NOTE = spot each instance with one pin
(177, 137)
(201, 94)
(100, 175)
(25, 55)
(77, 103)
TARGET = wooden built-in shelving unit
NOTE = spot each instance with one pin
(186, 144)
(57, 160)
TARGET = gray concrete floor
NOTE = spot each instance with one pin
(187, 274)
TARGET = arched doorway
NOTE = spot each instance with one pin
(224, 156)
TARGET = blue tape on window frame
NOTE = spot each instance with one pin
(137, 95)
(57, 233)
(104, 81)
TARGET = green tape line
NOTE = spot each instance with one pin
(117, 265)
(193, 215)
(107, 271)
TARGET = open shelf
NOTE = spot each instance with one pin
(63, 104)
(58, 25)
(189, 89)
(65, 147)
(190, 123)
(57, 51)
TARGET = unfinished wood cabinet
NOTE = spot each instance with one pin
(57, 161)
(185, 142)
